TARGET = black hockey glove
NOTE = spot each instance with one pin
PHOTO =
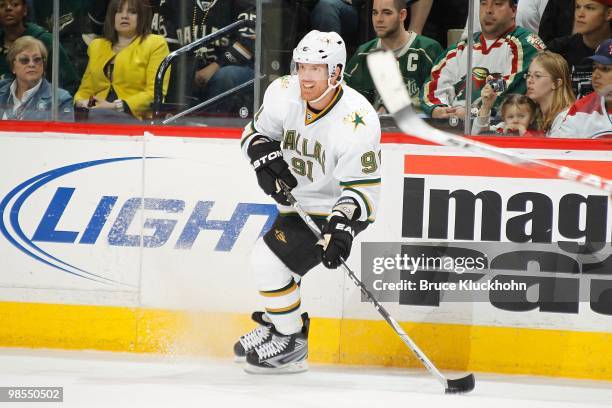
(270, 167)
(338, 234)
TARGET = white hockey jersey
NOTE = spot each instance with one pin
(587, 118)
(333, 153)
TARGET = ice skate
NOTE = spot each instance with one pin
(282, 354)
(254, 338)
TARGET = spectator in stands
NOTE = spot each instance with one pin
(528, 14)
(119, 80)
(519, 115)
(78, 20)
(501, 48)
(590, 117)
(592, 26)
(549, 85)
(224, 64)
(341, 16)
(13, 25)
(415, 53)
(28, 96)
(427, 13)
(442, 16)
(419, 12)
(557, 20)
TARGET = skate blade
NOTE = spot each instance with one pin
(239, 359)
(292, 368)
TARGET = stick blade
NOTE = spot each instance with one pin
(460, 385)
(388, 80)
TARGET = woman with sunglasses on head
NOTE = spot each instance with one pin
(549, 85)
(119, 79)
(28, 96)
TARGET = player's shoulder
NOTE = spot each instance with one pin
(351, 100)
(285, 88)
(355, 115)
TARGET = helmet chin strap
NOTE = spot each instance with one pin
(329, 88)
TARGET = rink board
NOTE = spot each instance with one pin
(83, 267)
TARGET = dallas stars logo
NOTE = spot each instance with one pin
(357, 120)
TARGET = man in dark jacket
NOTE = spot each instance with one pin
(223, 64)
(557, 20)
(592, 26)
(78, 20)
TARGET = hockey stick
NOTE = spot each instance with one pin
(390, 85)
(451, 386)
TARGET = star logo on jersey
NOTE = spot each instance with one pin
(358, 120)
(280, 236)
(355, 118)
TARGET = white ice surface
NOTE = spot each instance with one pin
(95, 379)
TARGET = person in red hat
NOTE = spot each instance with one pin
(592, 20)
(590, 117)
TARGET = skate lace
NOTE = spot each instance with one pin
(275, 346)
(254, 338)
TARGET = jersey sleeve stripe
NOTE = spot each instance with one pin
(248, 133)
(356, 183)
(362, 198)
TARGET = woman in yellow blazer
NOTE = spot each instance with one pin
(120, 75)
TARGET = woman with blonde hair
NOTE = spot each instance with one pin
(28, 96)
(120, 76)
(549, 85)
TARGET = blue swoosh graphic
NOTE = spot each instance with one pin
(30, 186)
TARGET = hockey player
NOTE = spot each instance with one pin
(415, 53)
(321, 138)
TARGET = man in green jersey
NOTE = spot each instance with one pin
(415, 53)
